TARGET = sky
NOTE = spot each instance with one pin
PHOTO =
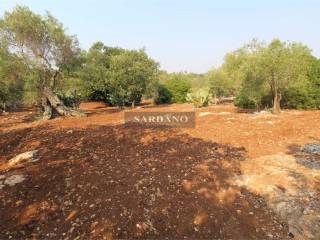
(183, 35)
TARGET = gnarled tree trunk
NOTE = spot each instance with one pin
(47, 113)
(51, 102)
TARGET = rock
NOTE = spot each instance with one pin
(289, 189)
(309, 162)
(14, 179)
(202, 114)
(21, 157)
(311, 148)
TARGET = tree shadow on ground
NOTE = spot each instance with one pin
(103, 111)
(246, 110)
(128, 182)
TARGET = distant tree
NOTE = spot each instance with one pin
(285, 64)
(43, 45)
(279, 65)
(132, 72)
(118, 76)
(96, 71)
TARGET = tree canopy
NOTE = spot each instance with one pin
(118, 76)
(268, 71)
(44, 47)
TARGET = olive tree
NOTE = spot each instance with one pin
(42, 43)
(284, 64)
(277, 65)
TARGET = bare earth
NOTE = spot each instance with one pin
(237, 175)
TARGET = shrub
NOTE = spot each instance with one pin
(3, 96)
(70, 99)
(199, 98)
(292, 98)
(11, 95)
(301, 98)
(178, 88)
(163, 95)
(98, 95)
(253, 93)
(243, 101)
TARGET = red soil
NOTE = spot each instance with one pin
(97, 179)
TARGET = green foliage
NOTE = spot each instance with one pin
(178, 87)
(12, 73)
(292, 98)
(163, 95)
(118, 76)
(39, 45)
(269, 70)
(200, 97)
(247, 101)
(243, 101)
(3, 95)
(314, 73)
(301, 98)
(95, 72)
(131, 74)
(41, 40)
(70, 99)
(254, 93)
(219, 83)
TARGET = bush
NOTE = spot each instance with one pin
(292, 98)
(253, 93)
(70, 99)
(243, 101)
(11, 95)
(266, 100)
(178, 88)
(163, 95)
(93, 94)
(199, 98)
(3, 96)
(119, 98)
(301, 98)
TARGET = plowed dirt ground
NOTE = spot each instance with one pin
(94, 178)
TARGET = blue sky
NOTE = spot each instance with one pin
(184, 35)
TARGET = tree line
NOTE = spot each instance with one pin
(41, 64)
